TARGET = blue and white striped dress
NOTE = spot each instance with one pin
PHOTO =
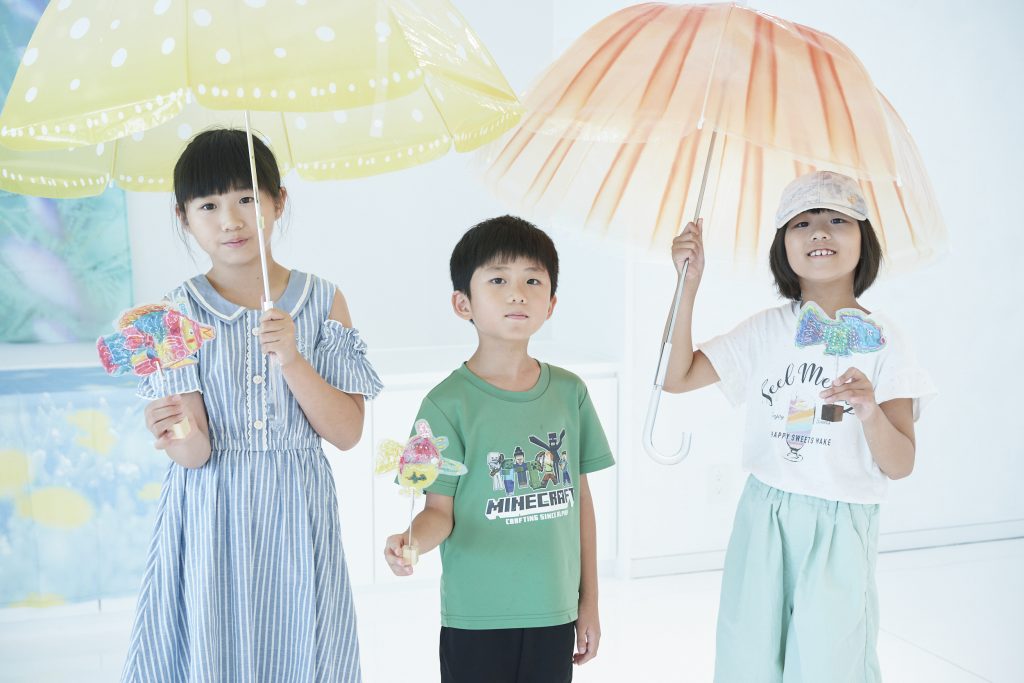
(246, 578)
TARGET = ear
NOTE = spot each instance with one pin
(180, 215)
(551, 306)
(279, 204)
(462, 305)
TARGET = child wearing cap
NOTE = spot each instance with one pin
(832, 392)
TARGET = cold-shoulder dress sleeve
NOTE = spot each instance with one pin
(340, 358)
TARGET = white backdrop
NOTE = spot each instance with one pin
(952, 72)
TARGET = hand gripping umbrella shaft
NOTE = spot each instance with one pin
(666, 347)
(275, 377)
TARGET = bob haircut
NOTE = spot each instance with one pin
(787, 282)
(217, 161)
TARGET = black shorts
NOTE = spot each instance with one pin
(508, 655)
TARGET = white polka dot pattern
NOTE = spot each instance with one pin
(415, 82)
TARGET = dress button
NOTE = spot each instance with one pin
(255, 331)
(258, 424)
(257, 379)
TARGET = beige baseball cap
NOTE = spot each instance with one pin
(821, 190)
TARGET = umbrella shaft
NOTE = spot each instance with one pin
(670, 326)
(704, 179)
(259, 211)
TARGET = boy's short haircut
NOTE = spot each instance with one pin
(787, 282)
(501, 239)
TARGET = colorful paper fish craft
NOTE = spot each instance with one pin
(850, 332)
(150, 338)
(419, 462)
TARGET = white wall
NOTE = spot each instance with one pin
(952, 74)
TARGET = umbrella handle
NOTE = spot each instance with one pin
(659, 382)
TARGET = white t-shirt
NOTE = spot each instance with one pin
(779, 361)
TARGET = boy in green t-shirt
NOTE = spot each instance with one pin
(517, 531)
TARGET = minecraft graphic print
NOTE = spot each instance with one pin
(531, 484)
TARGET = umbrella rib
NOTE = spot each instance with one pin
(116, 144)
(761, 57)
(711, 71)
(288, 143)
(677, 207)
(906, 216)
(764, 29)
(522, 138)
(685, 143)
(880, 228)
(750, 166)
(426, 79)
(629, 153)
(820, 78)
(617, 45)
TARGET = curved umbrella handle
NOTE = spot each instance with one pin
(652, 415)
(659, 382)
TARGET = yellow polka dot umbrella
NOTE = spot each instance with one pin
(111, 91)
(658, 103)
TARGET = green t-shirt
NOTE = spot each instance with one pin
(513, 557)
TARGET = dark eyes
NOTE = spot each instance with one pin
(502, 281)
(835, 220)
(210, 206)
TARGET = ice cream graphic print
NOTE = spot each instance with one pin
(799, 425)
(533, 478)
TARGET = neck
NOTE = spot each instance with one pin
(505, 364)
(243, 284)
(830, 296)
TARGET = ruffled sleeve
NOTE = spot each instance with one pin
(340, 358)
(900, 375)
(180, 380)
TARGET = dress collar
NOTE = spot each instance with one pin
(295, 295)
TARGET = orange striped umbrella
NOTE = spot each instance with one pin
(658, 103)
(618, 132)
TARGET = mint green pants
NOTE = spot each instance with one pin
(799, 603)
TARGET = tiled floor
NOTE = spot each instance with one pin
(949, 615)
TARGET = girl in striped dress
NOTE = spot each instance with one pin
(246, 578)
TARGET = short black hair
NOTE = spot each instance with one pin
(787, 282)
(217, 161)
(501, 239)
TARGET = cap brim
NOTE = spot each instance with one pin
(845, 210)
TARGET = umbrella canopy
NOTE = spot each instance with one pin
(617, 132)
(340, 89)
